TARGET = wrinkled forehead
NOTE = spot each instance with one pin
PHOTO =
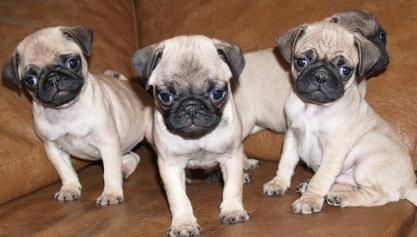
(329, 41)
(191, 59)
(43, 47)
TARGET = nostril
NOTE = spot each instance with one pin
(53, 81)
(321, 78)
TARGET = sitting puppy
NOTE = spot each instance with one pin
(333, 129)
(76, 113)
(264, 75)
(196, 124)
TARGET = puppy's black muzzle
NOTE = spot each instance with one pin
(58, 86)
(192, 118)
(319, 83)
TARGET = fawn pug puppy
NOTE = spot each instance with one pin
(196, 124)
(332, 128)
(264, 76)
(77, 113)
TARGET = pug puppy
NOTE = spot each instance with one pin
(196, 124)
(333, 129)
(76, 113)
(265, 74)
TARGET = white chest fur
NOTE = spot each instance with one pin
(202, 152)
(69, 128)
(306, 122)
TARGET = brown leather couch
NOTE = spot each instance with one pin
(28, 181)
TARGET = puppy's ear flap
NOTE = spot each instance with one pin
(145, 61)
(286, 42)
(83, 36)
(10, 73)
(232, 55)
(368, 55)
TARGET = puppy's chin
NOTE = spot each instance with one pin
(59, 98)
(192, 127)
(317, 97)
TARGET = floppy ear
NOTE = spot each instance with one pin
(145, 61)
(10, 73)
(83, 36)
(286, 42)
(368, 55)
(232, 55)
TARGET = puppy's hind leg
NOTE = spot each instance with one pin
(129, 163)
(364, 196)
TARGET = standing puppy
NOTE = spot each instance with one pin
(333, 129)
(196, 124)
(76, 113)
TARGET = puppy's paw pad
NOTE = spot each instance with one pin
(68, 193)
(307, 205)
(251, 164)
(234, 217)
(247, 178)
(302, 187)
(184, 230)
(129, 163)
(108, 199)
(335, 199)
(274, 188)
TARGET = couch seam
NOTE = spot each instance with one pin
(135, 23)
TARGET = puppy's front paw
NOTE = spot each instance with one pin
(250, 164)
(234, 217)
(336, 199)
(108, 198)
(302, 187)
(185, 229)
(247, 178)
(275, 187)
(309, 203)
(69, 192)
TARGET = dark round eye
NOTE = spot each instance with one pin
(345, 70)
(31, 80)
(72, 63)
(166, 98)
(302, 62)
(382, 36)
(217, 95)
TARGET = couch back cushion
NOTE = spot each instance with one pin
(255, 25)
(24, 166)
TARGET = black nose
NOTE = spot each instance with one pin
(191, 106)
(321, 76)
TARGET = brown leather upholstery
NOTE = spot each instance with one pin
(23, 164)
(146, 213)
(253, 25)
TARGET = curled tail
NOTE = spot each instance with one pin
(412, 196)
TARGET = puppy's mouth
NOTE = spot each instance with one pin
(58, 88)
